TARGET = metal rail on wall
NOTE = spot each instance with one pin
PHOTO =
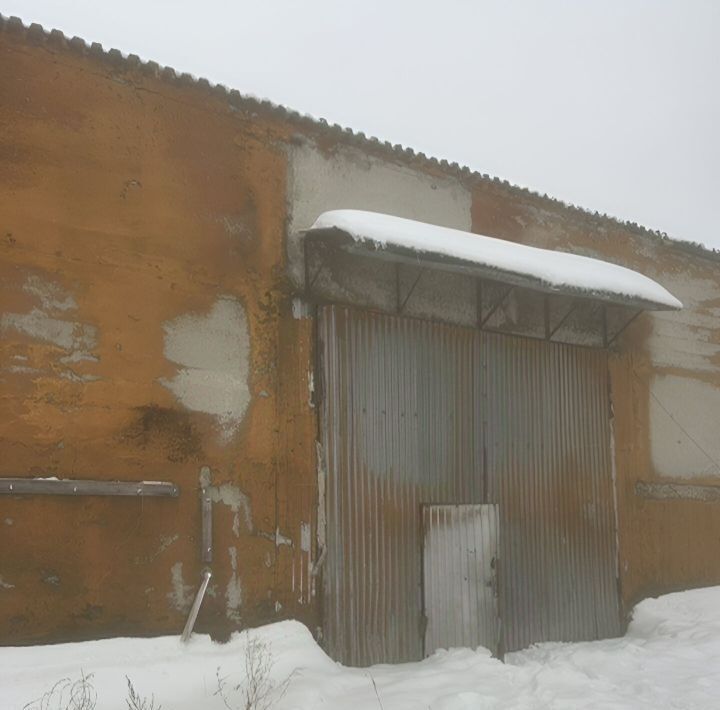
(82, 487)
(18, 486)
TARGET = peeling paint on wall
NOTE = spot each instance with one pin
(181, 596)
(311, 389)
(233, 591)
(306, 580)
(237, 501)
(230, 495)
(213, 350)
(305, 537)
(51, 296)
(281, 539)
(36, 324)
(44, 324)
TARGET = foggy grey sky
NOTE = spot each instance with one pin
(613, 105)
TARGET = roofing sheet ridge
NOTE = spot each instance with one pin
(36, 32)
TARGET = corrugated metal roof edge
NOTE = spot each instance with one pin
(37, 33)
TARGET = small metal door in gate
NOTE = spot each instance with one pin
(460, 553)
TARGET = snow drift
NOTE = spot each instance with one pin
(670, 658)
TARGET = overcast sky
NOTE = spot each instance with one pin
(613, 105)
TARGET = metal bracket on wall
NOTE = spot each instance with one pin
(80, 487)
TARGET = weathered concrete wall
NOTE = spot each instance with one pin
(146, 334)
(665, 389)
(149, 253)
(325, 176)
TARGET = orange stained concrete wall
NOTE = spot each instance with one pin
(142, 233)
(130, 208)
(664, 545)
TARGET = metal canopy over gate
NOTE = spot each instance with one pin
(417, 413)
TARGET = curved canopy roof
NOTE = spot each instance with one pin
(422, 244)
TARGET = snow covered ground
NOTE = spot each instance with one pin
(670, 658)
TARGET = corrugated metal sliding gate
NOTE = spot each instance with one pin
(419, 414)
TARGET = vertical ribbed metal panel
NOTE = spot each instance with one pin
(414, 412)
(547, 438)
(460, 549)
(399, 432)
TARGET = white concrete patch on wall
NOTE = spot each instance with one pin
(230, 495)
(233, 591)
(305, 564)
(351, 179)
(181, 594)
(214, 352)
(687, 339)
(237, 501)
(36, 324)
(52, 296)
(684, 415)
(281, 539)
(48, 323)
(305, 537)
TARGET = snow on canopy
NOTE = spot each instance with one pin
(519, 264)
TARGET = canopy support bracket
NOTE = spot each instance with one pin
(622, 328)
(401, 304)
(310, 279)
(496, 306)
(563, 320)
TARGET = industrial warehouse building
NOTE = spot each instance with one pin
(410, 405)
